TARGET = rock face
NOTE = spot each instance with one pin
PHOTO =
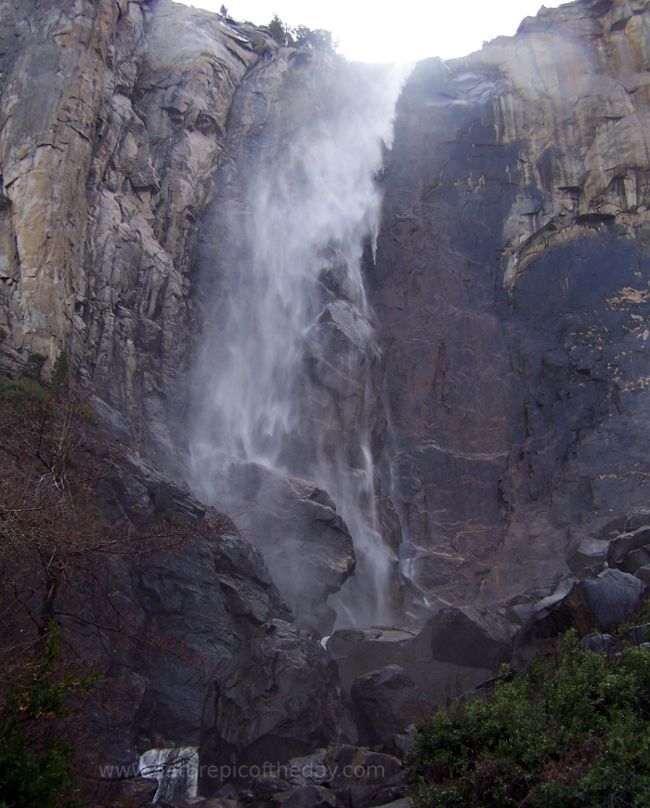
(511, 289)
(265, 708)
(113, 121)
(303, 540)
(509, 284)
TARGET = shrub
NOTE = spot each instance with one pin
(572, 730)
(35, 758)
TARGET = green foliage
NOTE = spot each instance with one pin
(34, 365)
(280, 32)
(572, 730)
(35, 764)
(60, 372)
(25, 392)
(300, 37)
(317, 39)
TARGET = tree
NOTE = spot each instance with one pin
(317, 39)
(36, 769)
(280, 32)
(223, 11)
(300, 37)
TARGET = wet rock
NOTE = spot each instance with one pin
(358, 652)
(518, 388)
(305, 797)
(595, 603)
(612, 597)
(304, 541)
(275, 700)
(600, 643)
(362, 778)
(386, 702)
(636, 559)
(625, 544)
(309, 769)
(590, 556)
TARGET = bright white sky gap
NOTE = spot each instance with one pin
(402, 31)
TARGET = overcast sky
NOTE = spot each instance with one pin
(401, 31)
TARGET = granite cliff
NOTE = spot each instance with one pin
(493, 365)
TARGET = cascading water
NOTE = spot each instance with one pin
(284, 377)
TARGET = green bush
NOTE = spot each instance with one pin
(35, 759)
(572, 730)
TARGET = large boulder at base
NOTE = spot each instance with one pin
(277, 699)
(359, 651)
(457, 648)
(361, 778)
(594, 604)
(385, 702)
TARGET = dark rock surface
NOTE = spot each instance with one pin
(456, 649)
(510, 288)
(303, 540)
(276, 700)
(599, 603)
(386, 702)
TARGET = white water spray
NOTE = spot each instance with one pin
(284, 378)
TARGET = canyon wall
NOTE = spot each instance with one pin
(511, 288)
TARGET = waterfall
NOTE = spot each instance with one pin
(284, 379)
(176, 770)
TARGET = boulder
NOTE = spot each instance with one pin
(386, 702)
(357, 652)
(277, 699)
(309, 796)
(590, 556)
(612, 597)
(600, 643)
(636, 559)
(361, 778)
(294, 524)
(600, 603)
(625, 543)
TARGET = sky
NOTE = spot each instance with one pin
(382, 32)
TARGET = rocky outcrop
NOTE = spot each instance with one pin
(294, 525)
(278, 699)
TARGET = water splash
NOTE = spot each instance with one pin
(284, 378)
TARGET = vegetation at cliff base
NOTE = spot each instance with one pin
(36, 767)
(572, 730)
